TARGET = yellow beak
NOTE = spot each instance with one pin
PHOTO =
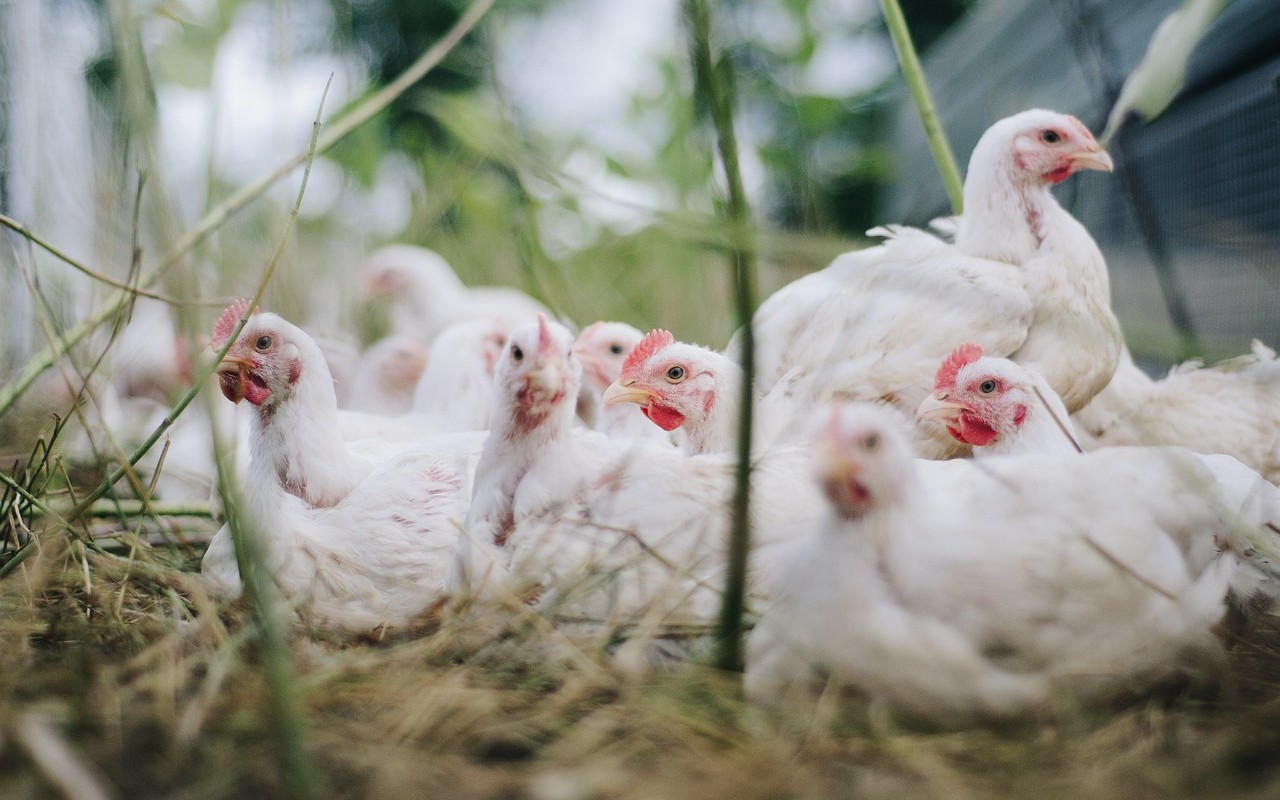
(937, 406)
(624, 390)
(1093, 159)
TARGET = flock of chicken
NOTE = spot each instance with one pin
(965, 495)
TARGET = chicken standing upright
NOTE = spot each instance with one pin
(608, 529)
(427, 296)
(951, 588)
(1023, 279)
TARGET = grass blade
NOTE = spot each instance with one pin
(914, 74)
(715, 88)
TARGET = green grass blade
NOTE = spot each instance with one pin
(914, 74)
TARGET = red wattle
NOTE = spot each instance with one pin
(976, 432)
(666, 418)
(1058, 175)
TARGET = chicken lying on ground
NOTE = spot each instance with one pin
(608, 529)
(1023, 279)
(298, 437)
(386, 375)
(602, 348)
(1002, 408)
(1232, 407)
(457, 386)
(358, 534)
(427, 296)
(997, 407)
(954, 588)
(694, 390)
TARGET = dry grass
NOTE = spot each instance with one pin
(127, 671)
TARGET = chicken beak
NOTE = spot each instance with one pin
(624, 390)
(1094, 158)
(840, 477)
(937, 406)
(546, 379)
(232, 373)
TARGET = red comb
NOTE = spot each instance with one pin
(546, 345)
(652, 342)
(963, 355)
(227, 323)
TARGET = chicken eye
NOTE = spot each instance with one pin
(987, 387)
(517, 355)
(263, 343)
(1050, 137)
(871, 443)
(675, 374)
(616, 349)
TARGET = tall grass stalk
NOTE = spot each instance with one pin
(278, 670)
(335, 132)
(914, 74)
(716, 88)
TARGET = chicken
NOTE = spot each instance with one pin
(1229, 408)
(386, 375)
(607, 529)
(950, 588)
(602, 348)
(358, 534)
(427, 297)
(1002, 408)
(457, 386)
(692, 389)
(997, 406)
(379, 556)
(298, 437)
(1023, 279)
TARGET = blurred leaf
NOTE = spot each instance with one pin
(471, 120)
(617, 167)
(1158, 78)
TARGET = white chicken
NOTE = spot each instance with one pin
(386, 375)
(998, 407)
(457, 386)
(952, 588)
(427, 296)
(358, 534)
(607, 529)
(1231, 407)
(379, 556)
(602, 348)
(694, 390)
(298, 437)
(1002, 408)
(1023, 279)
